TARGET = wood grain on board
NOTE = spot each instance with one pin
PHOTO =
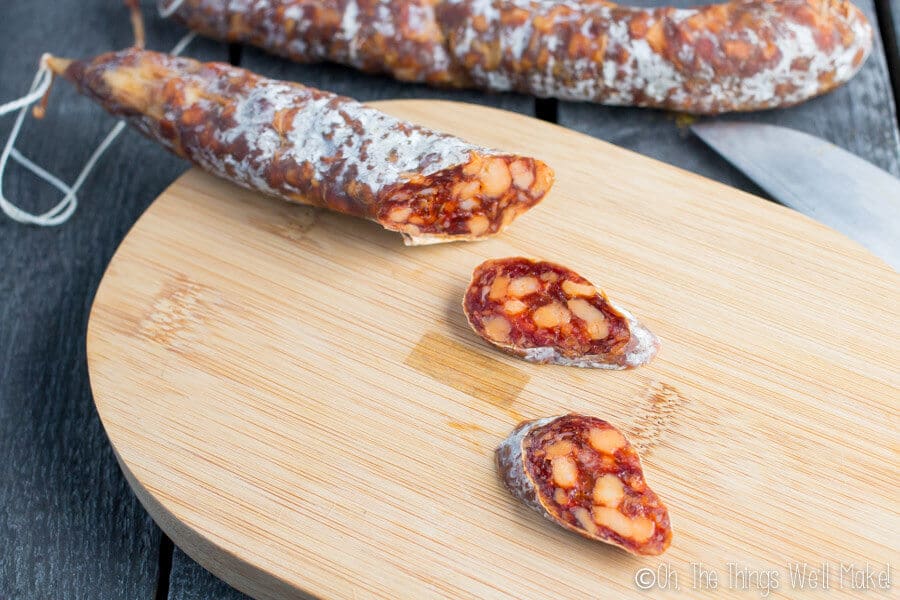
(297, 400)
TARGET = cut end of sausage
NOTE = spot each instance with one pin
(583, 474)
(467, 202)
(553, 315)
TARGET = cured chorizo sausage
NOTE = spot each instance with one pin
(314, 147)
(546, 313)
(581, 473)
(739, 56)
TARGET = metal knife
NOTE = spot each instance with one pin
(816, 178)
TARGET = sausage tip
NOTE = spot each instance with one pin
(56, 64)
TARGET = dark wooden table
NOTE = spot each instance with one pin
(70, 527)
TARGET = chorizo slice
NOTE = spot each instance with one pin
(736, 56)
(546, 313)
(313, 147)
(583, 474)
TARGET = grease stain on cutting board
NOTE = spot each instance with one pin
(659, 403)
(452, 363)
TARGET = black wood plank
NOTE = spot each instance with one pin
(893, 8)
(70, 526)
(859, 117)
(190, 581)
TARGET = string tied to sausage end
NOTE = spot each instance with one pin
(37, 97)
(40, 88)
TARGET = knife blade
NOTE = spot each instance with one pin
(816, 178)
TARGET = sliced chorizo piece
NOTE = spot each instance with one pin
(547, 313)
(583, 474)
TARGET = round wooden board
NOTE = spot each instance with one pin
(297, 400)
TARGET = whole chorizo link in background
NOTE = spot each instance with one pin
(313, 147)
(743, 55)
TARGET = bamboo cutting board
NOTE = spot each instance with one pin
(297, 400)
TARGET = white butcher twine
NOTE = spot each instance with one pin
(66, 207)
(167, 11)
